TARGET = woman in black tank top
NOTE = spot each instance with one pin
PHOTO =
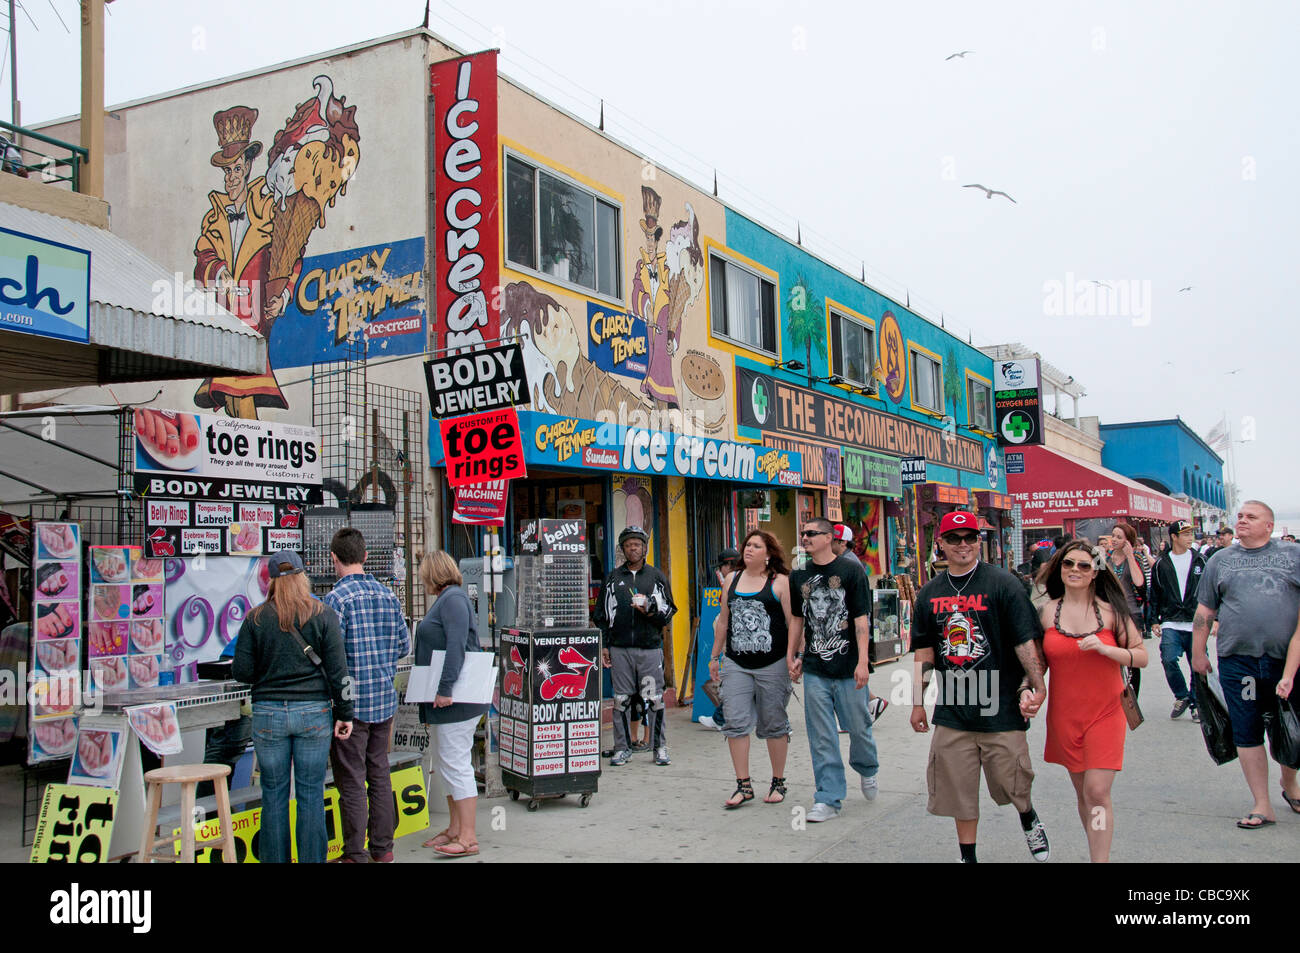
(753, 630)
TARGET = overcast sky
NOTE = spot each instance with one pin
(1148, 145)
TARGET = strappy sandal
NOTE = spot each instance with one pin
(744, 788)
(462, 849)
(778, 789)
(1292, 802)
(440, 839)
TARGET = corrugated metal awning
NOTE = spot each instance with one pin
(143, 326)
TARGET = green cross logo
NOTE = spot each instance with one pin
(1017, 427)
(758, 400)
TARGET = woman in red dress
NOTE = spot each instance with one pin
(1090, 639)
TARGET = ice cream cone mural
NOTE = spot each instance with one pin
(252, 240)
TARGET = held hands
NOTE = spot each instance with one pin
(1031, 700)
(342, 730)
(796, 669)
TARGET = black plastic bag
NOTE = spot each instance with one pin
(1284, 734)
(1215, 726)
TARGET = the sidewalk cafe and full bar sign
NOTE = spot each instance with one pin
(777, 408)
(222, 485)
(44, 287)
(574, 443)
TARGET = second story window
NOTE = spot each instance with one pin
(927, 383)
(979, 403)
(561, 229)
(853, 349)
(743, 305)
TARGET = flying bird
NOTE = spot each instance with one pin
(961, 55)
(1094, 280)
(1230, 373)
(989, 193)
(1188, 288)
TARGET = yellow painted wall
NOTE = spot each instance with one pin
(679, 576)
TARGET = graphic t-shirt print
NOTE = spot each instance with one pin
(826, 616)
(751, 627)
(962, 642)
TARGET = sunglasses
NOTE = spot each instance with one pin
(814, 532)
(1076, 564)
(963, 538)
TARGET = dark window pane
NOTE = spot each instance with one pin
(520, 223)
(718, 294)
(853, 352)
(568, 230)
(607, 262)
(837, 347)
(769, 316)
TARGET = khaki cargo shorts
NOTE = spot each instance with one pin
(953, 773)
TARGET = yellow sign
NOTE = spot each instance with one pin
(565, 436)
(75, 825)
(893, 357)
(412, 816)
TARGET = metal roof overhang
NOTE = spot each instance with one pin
(136, 333)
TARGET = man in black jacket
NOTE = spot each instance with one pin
(634, 606)
(1174, 581)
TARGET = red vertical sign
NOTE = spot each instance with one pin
(466, 309)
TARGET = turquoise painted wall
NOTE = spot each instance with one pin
(822, 281)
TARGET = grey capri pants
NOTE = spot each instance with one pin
(755, 697)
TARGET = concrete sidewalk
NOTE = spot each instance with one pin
(1172, 805)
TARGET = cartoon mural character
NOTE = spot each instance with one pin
(233, 255)
(652, 304)
(252, 240)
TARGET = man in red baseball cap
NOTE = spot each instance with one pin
(976, 628)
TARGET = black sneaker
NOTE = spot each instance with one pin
(1180, 705)
(1036, 838)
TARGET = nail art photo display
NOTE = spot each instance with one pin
(56, 643)
(144, 661)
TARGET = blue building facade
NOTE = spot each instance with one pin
(1167, 455)
(847, 372)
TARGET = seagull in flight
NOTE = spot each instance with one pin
(1188, 288)
(955, 56)
(1230, 373)
(1094, 281)
(989, 193)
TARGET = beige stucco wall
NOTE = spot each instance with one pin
(1063, 438)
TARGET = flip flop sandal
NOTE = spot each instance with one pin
(1292, 802)
(777, 793)
(1263, 822)
(745, 788)
(466, 850)
(445, 836)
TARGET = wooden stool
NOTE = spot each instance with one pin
(187, 776)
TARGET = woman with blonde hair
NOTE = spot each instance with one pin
(450, 626)
(290, 650)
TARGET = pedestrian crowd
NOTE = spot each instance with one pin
(996, 650)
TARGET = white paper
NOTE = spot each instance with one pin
(478, 677)
(157, 726)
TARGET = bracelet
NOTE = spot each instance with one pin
(1130, 658)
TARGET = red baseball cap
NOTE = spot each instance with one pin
(957, 520)
(841, 532)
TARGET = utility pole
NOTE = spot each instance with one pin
(14, 114)
(92, 95)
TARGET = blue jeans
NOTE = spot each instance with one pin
(823, 700)
(297, 734)
(1175, 643)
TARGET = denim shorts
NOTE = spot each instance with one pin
(1250, 690)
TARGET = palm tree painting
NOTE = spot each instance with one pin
(951, 382)
(806, 324)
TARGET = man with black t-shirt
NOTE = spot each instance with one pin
(975, 627)
(831, 605)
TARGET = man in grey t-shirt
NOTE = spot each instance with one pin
(1253, 589)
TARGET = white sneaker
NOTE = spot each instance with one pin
(870, 788)
(708, 722)
(822, 812)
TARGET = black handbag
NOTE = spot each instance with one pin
(1216, 728)
(1283, 726)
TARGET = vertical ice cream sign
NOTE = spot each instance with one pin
(467, 242)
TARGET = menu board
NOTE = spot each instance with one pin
(124, 612)
(56, 644)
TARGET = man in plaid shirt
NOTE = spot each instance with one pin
(375, 636)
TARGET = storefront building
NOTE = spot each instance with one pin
(644, 306)
(1168, 456)
(1059, 495)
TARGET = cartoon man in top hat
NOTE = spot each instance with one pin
(651, 302)
(233, 254)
